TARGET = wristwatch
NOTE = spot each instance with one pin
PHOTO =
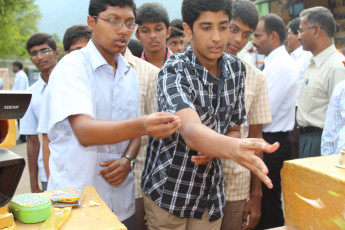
(131, 161)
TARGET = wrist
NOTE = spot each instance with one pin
(130, 159)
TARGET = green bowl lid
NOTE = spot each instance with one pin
(30, 200)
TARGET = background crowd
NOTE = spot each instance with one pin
(174, 128)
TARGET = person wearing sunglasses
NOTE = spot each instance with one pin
(43, 54)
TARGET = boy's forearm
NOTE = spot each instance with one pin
(46, 153)
(255, 131)
(133, 148)
(33, 146)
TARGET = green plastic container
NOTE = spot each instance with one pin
(30, 207)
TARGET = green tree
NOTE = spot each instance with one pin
(18, 22)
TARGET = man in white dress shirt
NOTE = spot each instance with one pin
(43, 54)
(282, 76)
(302, 60)
(21, 82)
(94, 127)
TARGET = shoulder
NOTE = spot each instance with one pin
(233, 62)
(35, 87)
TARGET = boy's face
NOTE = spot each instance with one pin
(77, 45)
(108, 38)
(239, 35)
(153, 36)
(176, 44)
(209, 36)
(43, 57)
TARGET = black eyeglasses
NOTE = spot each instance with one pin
(117, 23)
(44, 51)
(300, 31)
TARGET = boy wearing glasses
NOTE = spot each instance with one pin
(153, 32)
(43, 54)
(94, 127)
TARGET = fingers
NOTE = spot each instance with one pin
(258, 145)
(162, 125)
(201, 159)
(115, 171)
(258, 167)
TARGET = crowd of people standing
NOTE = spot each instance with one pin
(175, 130)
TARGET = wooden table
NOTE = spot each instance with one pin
(86, 217)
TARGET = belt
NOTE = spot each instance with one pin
(309, 129)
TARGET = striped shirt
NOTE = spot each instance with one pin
(333, 135)
(170, 178)
(84, 83)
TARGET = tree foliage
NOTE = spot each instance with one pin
(18, 22)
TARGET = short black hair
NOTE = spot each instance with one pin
(321, 16)
(18, 64)
(294, 25)
(178, 23)
(175, 32)
(274, 23)
(247, 12)
(98, 6)
(135, 47)
(192, 9)
(75, 33)
(39, 39)
(152, 12)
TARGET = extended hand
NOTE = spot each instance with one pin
(115, 171)
(162, 125)
(245, 156)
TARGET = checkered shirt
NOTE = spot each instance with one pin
(147, 75)
(170, 178)
(237, 178)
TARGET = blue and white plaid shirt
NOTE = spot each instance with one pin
(170, 178)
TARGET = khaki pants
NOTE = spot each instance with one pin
(160, 219)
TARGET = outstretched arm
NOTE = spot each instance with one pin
(241, 151)
(96, 132)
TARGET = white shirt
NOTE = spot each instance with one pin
(281, 77)
(21, 81)
(29, 123)
(1, 83)
(302, 61)
(84, 83)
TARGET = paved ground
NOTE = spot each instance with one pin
(24, 183)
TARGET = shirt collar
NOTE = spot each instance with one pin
(97, 60)
(168, 52)
(297, 52)
(275, 54)
(205, 77)
(323, 56)
(42, 83)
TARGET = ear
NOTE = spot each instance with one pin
(188, 31)
(137, 35)
(274, 37)
(91, 22)
(317, 31)
(168, 32)
(57, 52)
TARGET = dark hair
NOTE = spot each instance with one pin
(274, 23)
(178, 23)
(246, 11)
(321, 16)
(98, 6)
(74, 34)
(152, 12)
(135, 47)
(192, 9)
(175, 32)
(39, 39)
(294, 25)
(18, 64)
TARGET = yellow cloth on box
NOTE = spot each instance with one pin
(314, 194)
